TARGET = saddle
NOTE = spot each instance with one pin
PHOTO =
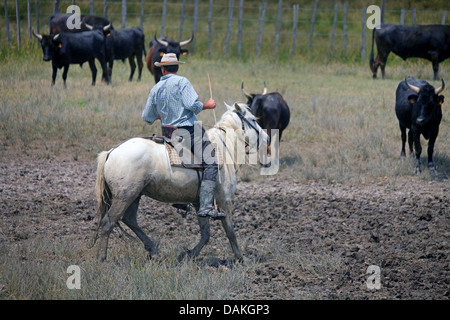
(174, 157)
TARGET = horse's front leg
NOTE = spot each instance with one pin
(227, 224)
(204, 238)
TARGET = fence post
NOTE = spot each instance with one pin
(142, 15)
(333, 30)
(311, 32)
(8, 33)
(239, 44)
(278, 29)
(124, 13)
(230, 21)
(345, 30)
(294, 29)
(444, 13)
(414, 16)
(37, 15)
(210, 28)
(383, 7)
(194, 26)
(29, 18)
(19, 36)
(91, 7)
(262, 15)
(105, 9)
(163, 18)
(183, 11)
(402, 16)
(363, 35)
(56, 6)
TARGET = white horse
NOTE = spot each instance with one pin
(140, 166)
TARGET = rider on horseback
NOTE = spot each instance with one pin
(174, 101)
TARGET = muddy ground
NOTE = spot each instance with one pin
(307, 240)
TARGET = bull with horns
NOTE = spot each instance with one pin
(159, 46)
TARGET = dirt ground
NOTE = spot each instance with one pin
(309, 240)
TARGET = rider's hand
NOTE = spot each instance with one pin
(210, 104)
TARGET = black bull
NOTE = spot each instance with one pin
(160, 46)
(126, 43)
(418, 108)
(58, 23)
(270, 109)
(431, 42)
(66, 48)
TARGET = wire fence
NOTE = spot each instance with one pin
(241, 28)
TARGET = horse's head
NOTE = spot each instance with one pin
(255, 136)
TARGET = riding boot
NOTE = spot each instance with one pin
(206, 209)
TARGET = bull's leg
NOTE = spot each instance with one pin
(410, 142)
(54, 72)
(64, 75)
(430, 150)
(93, 70)
(205, 234)
(104, 69)
(130, 219)
(436, 69)
(403, 131)
(229, 230)
(110, 68)
(418, 149)
(107, 224)
(140, 65)
(132, 67)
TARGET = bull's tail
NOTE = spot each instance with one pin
(102, 192)
(371, 59)
(143, 47)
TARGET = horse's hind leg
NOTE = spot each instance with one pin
(204, 238)
(229, 230)
(107, 224)
(130, 219)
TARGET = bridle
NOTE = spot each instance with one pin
(251, 124)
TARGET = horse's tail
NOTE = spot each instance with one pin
(102, 192)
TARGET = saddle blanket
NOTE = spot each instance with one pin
(176, 161)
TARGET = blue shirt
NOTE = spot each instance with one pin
(175, 99)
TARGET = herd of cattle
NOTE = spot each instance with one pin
(417, 105)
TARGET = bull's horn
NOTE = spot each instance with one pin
(439, 90)
(56, 36)
(161, 42)
(185, 42)
(245, 92)
(413, 88)
(265, 89)
(37, 35)
(105, 28)
(88, 26)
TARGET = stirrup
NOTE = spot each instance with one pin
(183, 209)
(212, 213)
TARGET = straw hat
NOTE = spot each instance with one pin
(168, 59)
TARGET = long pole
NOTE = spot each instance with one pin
(215, 121)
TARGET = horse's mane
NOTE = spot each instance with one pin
(228, 129)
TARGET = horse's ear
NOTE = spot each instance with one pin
(237, 107)
(229, 108)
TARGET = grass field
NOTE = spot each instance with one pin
(343, 124)
(343, 129)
